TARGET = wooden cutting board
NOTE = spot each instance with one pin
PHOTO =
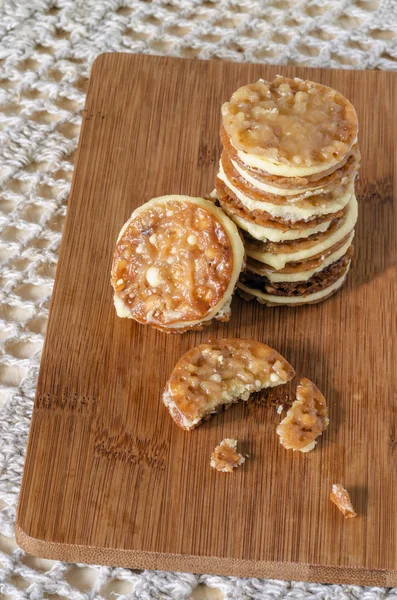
(108, 477)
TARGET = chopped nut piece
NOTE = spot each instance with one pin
(306, 419)
(192, 240)
(225, 457)
(153, 277)
(219, 373)
(216, 377)
(340, 497)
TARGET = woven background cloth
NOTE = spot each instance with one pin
(46, 51)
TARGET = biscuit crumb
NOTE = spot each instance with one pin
(225, 457)
(340, 497)
(280, 409)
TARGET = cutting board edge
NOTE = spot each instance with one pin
(139, 559)
(104, 56)
(224, 566)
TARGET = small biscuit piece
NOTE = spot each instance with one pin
(219, 373)
(176, 264)
(306, 419)
(225, 457)
(340, 497)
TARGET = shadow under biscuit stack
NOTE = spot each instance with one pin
(286, 178)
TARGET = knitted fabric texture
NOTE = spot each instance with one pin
(47, 48)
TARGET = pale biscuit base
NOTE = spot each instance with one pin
(291, 212)
(304, 270)
(273, 300)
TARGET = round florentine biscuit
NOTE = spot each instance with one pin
(281, 297)
(268, 300)
(176, 264)
(215, 375)
(318, 282)
(297, 245)
(253, 180)
(279, 255)
(276, 235)
(290, 127)
(346, 169)
(233, 206)
(302, 270)
(308, 206)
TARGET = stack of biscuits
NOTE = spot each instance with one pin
(286, 178)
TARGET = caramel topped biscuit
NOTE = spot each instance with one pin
(289, 126)
(176, 263)
(288, 300)
(306, 419)
(297, 266)
(292, 208)
(300, 288)
(219, 373)
(295, 251)
(300, 244)
(233, 206)
(293, 185)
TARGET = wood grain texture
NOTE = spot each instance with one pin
(108, 477)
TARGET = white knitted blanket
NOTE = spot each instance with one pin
(46, 51)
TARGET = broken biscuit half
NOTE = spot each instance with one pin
(214, 375)
(306, 419)
(176, 264)
(225, 457)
